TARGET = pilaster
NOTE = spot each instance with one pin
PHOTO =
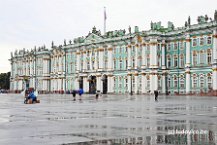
(144, 56)
(214, 63)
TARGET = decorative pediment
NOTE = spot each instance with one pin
(92, 38)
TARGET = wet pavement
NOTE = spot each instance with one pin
(111, 119)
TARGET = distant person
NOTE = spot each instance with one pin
(31, 98)
(74, 93)
(156, 95)
(80, 92)
(97, 94)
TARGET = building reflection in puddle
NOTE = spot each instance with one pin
(162, 136)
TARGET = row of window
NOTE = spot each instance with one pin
(201, 41)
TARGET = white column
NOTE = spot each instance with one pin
(110, 59)
(96, 61)
(153, 81)
(91, 66)
(76, 84)
(163, 52)
(85, 62)
(188, 51)
(99, 83)
(214, 66)
(64, 84)
(110, 84)
(86, 84)
(129, 57)
(129, 83)
(153, 53)
(101, 60)
(136, 56)
(144, 83)
(136, 83)
(187, 65)
(144, 57)
(188, 81)
(164, 83)
(78, 63)
(60, 64)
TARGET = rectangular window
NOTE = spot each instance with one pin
(175, 83)
(181, 45)
(182, 61)
(209, 59)
(202, 57)
(194, 42)
(194, 82)
(120, 63)
(182, 83)
(201, 41)
(209, 40)
(175, 46)
(175, 61)
(169, 47)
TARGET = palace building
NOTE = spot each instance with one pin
(179, 60)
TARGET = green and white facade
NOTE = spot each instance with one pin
(178, 60)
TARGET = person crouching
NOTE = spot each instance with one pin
(32, 98)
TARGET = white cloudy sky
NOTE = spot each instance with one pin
(26, 23)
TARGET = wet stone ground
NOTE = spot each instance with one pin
(111, 119)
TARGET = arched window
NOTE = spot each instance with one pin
(209, 40)
(159, 83)
(194, 79)
(209, 80)
(175, 81)
(201, 41)
(182, 64)
(168, 61)
(159, 60)
(209, 57)
(202, 57)
(148, 60)
(201, 81)
(169, 82)
(182, 82)
(133, 63)
(175, 45)
(175, 60)
(194, 57)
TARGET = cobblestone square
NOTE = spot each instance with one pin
(111, 119)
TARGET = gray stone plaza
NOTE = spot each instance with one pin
(110, 119)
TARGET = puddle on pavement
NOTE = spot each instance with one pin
(194, 139)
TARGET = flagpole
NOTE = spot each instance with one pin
(105, 20)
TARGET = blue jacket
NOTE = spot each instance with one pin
(31, 96)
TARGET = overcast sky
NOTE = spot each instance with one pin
(29, 23)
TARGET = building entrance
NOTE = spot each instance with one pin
(105, 84)
(92, 85)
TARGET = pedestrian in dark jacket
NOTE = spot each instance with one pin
(156, 95)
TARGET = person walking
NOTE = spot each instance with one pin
(156, 95)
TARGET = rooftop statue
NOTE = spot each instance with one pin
(186, 24)
(52, 44)
(206, 18)
(64, 42)
(129, 29)
(70, 42)
(215, 16)
(189, 21)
